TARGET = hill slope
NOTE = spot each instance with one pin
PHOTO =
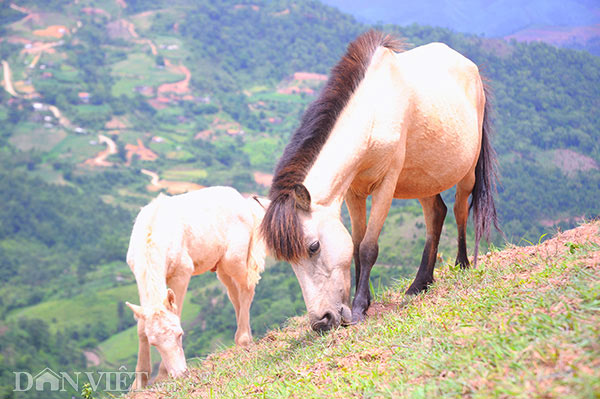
(524, 324)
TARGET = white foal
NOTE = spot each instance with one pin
(177, 237)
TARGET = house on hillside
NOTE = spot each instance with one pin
(84, 97)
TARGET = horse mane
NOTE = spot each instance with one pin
(144, 253)
(281, 227)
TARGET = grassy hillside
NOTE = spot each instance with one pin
(524, 324)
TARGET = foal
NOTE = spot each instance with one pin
(176, 237)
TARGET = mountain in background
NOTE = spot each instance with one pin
(570, 23)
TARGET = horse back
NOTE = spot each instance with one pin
(216, 223)
(442, 125)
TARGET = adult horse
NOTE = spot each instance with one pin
(389, 124)
(176, 237)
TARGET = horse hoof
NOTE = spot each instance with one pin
(244, 340)
(357, 317)
(414, 290)
(463, 264)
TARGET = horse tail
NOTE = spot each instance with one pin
(143, 251)
(486, 175)
(257, 249)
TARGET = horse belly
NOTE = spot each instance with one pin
(203, 242)
(442, 147)
(443, 127)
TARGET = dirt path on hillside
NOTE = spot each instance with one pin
(8, 86)
(172, 187)
(20, 9)
(35, 60)
(131, 28)
(55, 31)
(153, 176)
(61, 118)
(41, 47)
(100, 159)
(180, 87)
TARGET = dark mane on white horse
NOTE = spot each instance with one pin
(281, 227)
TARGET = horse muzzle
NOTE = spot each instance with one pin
(325, 323)
(179, 372)
(331, 319)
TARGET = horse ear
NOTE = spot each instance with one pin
(138, 311)
(170, 301)
(302, 197)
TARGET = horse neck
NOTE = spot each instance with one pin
(337, 164)
(366, 121)
(154, 292)
(152, 288)
(151, 274)
(149, 259)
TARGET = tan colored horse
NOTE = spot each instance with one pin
(388, 124)
(176, 237)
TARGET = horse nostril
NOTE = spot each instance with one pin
(325, 323)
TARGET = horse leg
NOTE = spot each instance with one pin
(243, 335)
(241, 296)
(178, 282)
(461, 213)
(434, 211)
(143, 369)
(357, 208)
(368, 248)
(232, 291)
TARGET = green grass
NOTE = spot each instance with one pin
(139, 69)
(277, 97)
(66, 73)
(143, 21)
(99, 306)
(50, 175)
(75, 146)
(121, 348)
(34, 136)
(185, 174)
(525, 324)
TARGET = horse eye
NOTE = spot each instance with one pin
(314, 247)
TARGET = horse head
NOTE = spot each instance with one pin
(162, 327)
(317, 245)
